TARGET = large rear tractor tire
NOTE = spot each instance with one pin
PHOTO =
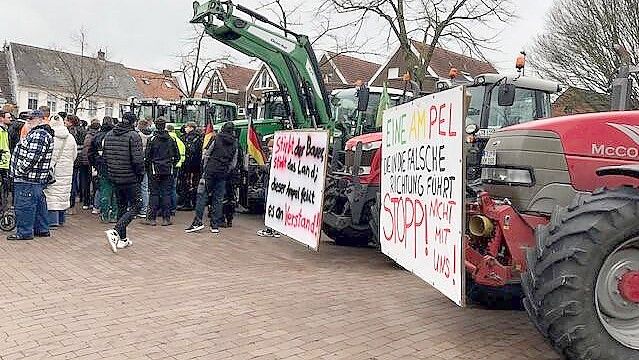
(581, 284)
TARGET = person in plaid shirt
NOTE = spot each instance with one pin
(29, 170)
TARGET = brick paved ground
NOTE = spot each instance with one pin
(234, 296)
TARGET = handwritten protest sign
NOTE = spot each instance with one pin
(421, 215)
(296, 185)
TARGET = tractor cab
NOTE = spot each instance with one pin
(150, 109)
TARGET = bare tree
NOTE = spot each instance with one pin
(431, 22)
(83, 76)
(195, 68)
(577, 47)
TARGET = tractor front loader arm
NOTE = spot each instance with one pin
(289, 56)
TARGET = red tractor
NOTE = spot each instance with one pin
(558, 214)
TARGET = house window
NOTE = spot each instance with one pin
(217, 85)
(68, 105)
(108, 109)
(264, 82)
(52, 103)
(393, 73)
(93, 108)
(32, 102)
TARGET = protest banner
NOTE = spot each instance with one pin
(423, 187)
(296, 185)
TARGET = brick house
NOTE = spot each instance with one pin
(153, 85)
(343, 71)
(263, 80)
(580, 101)
(229, 83)
(440, 64)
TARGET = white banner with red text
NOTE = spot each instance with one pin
(296, 185)
(423, 187)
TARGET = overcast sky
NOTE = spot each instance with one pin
(148, 34)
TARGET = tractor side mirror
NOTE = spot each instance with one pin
(506, 95)
(362, 99)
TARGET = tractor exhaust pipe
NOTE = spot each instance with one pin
(480, 225)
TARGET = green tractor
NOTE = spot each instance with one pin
(201, 112)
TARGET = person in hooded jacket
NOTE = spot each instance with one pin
(65, 151)
(221, 162)
(145, 132)
(193, 141)
(95, 193)
(162, 156)
(124, 160)
(108, 202)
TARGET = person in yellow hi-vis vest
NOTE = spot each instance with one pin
(5, 154)
(178, 168)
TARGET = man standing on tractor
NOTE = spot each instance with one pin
(125, 167)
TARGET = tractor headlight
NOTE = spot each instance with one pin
(507, 176)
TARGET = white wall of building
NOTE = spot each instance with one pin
(58, 104)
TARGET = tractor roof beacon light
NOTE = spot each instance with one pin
(520, 63)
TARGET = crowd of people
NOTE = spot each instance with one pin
(119, 170)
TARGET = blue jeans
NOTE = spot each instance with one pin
(161, 196)
(213, 191)
(56, 217)
(96, 199)
(31, 209)
(145, 194)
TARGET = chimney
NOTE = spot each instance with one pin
(101, 55)
(167, 74)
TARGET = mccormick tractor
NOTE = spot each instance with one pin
(351, 208)
(552, 209)
(558, 215)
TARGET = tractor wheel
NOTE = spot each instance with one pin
(348, 236)
(496, 298)
(582, 282)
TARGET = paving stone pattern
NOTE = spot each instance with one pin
(232, 296)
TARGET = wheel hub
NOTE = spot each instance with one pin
(629, 286)
(617, 294)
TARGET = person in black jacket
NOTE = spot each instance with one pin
(191, 169)
(223, 159)
(108, 203)
(162, 155)
(124, 160)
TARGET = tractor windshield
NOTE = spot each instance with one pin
(223, 113)
(476, 104)
(344, 107)
(196, 114)
(525, 108)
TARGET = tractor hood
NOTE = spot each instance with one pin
(369, 141)
(609, 135)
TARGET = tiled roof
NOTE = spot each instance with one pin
(580, 101)
(5, 87)
(236, 77)
(352, 68)
(442, 60)
(44, 68)
(155, 85)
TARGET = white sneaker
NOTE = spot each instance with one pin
(215, 230)
(95, 211)
(194, 228)
(113, 238)
(124, 243)
(85, 207)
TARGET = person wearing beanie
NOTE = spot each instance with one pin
(124, 159)
(162, 156)
(30, 171)
(221, 159)
(80, 173)
(107, 201)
